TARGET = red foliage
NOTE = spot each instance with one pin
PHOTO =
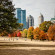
(12, 34)
(18, 34)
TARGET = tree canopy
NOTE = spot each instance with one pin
(7, 20)
(45, 25)
(51, 32)
(30, 32)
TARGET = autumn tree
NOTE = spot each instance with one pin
(43, 35)
(51, 32)
(30, 32)
(19, 34)
(24, 34)
(36, 33)
(45, 25)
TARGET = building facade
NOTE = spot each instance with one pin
(30, 21)
(21, 16)
(40, 19)
(52, 20)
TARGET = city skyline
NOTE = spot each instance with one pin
(34, 7)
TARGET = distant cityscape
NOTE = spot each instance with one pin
(29, 21)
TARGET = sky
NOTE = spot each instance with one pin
(35, 7)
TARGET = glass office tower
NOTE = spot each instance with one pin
(21, 16)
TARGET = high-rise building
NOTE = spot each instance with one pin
(40, 19)
(21, 16)
(30, 21)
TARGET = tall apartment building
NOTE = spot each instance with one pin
(30, 21)
(21, 16)
(40, 19)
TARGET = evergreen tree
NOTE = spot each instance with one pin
(7, 20)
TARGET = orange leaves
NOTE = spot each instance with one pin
(39, 34)
(31, 29)
(51, 32)
(36, 33)
(43, 35)
(30, 32)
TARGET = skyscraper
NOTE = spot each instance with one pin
(21, 16)
(30, 21)
(40, 19)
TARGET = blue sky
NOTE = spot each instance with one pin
(35, 7)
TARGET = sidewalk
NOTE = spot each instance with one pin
(28, 41)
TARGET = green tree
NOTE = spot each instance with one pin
(45, 25)
(7, 20)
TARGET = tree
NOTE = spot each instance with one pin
(36, 33)
(30, 32)
(43, 35)
(7, 20)
(51, 32)
(24, 34)
(45, 25)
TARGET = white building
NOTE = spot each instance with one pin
(40, 19)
